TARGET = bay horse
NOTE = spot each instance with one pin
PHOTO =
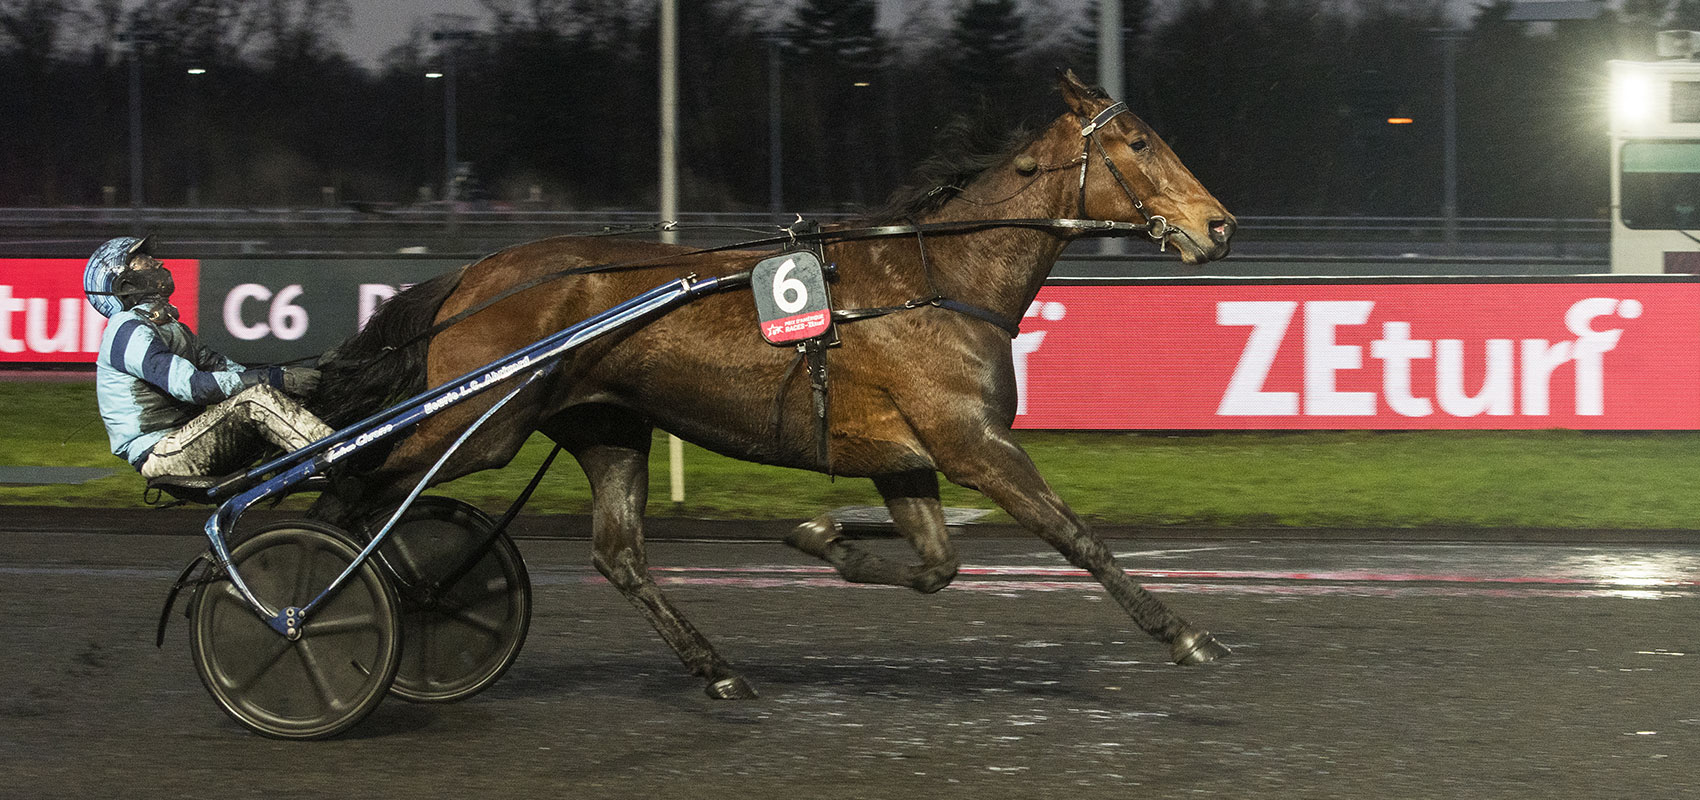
(926, 389)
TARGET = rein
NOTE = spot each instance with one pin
(1155, 226)
(792, 237)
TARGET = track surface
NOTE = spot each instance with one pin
(1362, 669)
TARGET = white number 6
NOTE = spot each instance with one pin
(789, 293)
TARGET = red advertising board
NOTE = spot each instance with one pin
(1381, 356)
(44, 317)
(1144, 355)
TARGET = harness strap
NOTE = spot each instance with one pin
(812, 354)
(845, 235)
(1005, 324)
(1155, 227)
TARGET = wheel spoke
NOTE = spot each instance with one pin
(315, 673)
(419, 639)
(490, 626)
(406, 560)
(303, 576)
(463, 598)
(346, 623)
(260, 669)
(469, 592)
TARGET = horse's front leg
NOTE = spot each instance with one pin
(619, 484)
(913, 499)
(998, 468)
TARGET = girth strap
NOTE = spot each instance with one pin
(811, 354)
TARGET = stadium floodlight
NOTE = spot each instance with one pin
(1632, 101)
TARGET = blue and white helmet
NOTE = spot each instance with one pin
(103, 269)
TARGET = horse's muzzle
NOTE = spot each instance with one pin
(1221, 230)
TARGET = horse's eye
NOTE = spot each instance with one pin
(1137, 145)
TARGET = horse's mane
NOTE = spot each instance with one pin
(963, 149)
(385, 362)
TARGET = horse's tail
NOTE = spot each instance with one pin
(385, 362)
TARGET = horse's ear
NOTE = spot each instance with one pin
(1076, 93)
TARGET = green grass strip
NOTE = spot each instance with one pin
(1532, 479)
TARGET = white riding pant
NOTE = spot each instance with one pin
(228, 434)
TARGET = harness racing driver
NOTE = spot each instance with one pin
(171, 405)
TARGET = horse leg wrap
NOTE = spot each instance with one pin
(1187, 645)
(692, 647)
(816, 537)
(822, 538)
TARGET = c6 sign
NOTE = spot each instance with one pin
(1604, 355)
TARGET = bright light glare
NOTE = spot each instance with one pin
(197, 71)
(433, 74)
(1632, 100)
(1400, 120)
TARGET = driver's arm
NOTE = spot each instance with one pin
(138, 351)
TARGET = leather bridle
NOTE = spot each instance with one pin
(1157, 227)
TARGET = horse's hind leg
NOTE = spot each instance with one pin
(998, 468)
(613, 448)
(913, 499)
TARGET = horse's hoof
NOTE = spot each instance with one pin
(733, 688)
(1196, 647)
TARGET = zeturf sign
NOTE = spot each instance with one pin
(45, 319)
(1602, 354)
(1304, 355)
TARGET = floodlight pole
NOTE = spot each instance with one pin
(775, 153)
(133, 44)
(669, 186)
(1110, 68)
(451, 31)
(451, 127)
(1449, 120)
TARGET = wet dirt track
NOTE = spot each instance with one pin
(1361, 669)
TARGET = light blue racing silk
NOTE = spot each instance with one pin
(151, 379)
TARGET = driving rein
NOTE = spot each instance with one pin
(1155, 226)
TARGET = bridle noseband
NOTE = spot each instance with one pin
(1157, 227)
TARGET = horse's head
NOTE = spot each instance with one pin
(1131, 175)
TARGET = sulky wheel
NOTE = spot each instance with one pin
(465, 599)
(339, 668)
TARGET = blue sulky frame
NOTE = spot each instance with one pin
(291, 469)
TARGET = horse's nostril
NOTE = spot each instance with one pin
(1221, 229)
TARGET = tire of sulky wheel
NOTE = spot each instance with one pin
(337, 671)
(461, 638)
